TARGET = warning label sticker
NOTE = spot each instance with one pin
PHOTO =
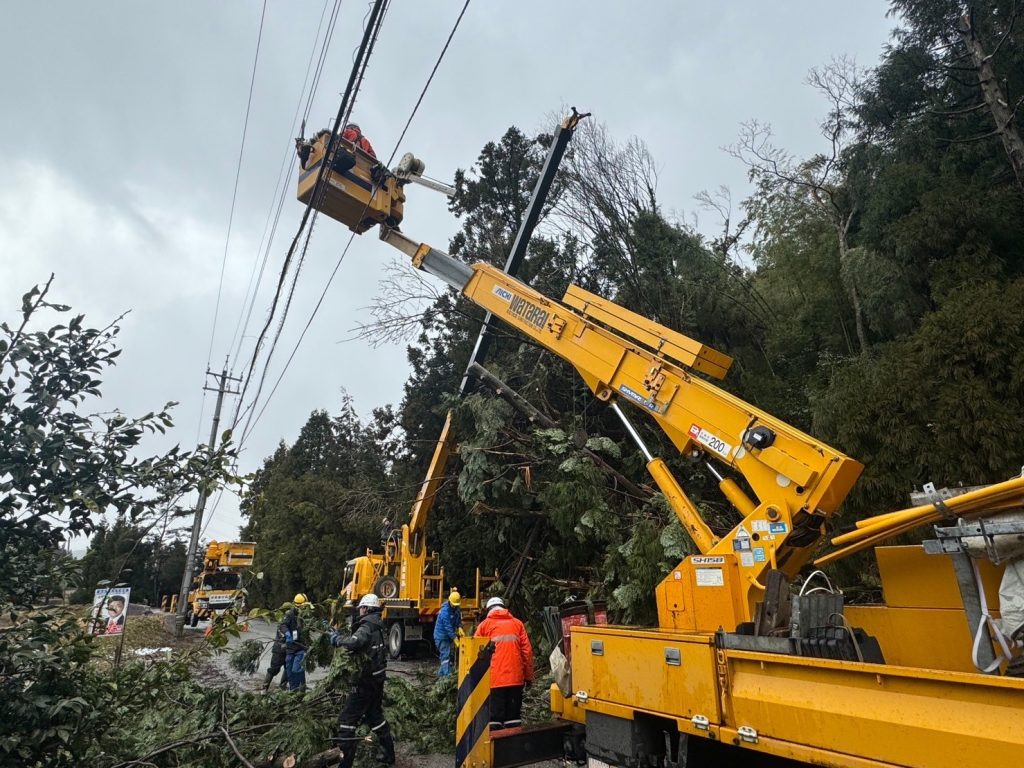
(710, 577)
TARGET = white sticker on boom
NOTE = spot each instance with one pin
(710, 577)
(705, 438)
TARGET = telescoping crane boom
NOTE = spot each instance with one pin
(738, 670)
(797, 481)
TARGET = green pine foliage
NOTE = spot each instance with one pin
(317, 503)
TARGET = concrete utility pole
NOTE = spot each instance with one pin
(197, 522)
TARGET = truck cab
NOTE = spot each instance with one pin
(217, 589)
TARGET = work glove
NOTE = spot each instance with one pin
(459, 632)
(336, 637)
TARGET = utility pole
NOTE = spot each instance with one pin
(197, 522)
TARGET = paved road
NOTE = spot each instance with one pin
(264, 631)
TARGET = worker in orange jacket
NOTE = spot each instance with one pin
(511, 664)
(353, 133)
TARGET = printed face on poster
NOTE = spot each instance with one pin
(109, 610)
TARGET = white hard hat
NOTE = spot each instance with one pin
(369, 601)
(495, 602)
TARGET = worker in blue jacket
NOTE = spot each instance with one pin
(295, 646)
(448, 627)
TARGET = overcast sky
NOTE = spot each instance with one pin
(122, 123)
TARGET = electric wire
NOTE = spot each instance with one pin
(234, 193)
(365, 64)
(318, 190)
(252, 422)
(280, 192)
(323, 58)
(426, 85)
(231, 215)
(266, 240)
(368, 40)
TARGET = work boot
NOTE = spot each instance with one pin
(386, 751)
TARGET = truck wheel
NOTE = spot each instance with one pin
(193, 619)
(396, 640)
(386, 587)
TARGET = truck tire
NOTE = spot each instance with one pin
(396, 640)
(386, 588)
(193, 619)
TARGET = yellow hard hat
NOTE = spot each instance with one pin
(300, 598)
(455, 598)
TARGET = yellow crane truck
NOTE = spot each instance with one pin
(217, 588)
(740, 670)
(410, 581)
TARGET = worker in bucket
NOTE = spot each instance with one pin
(511, 663)
(447, 627)
(353, 133)
(365, 702)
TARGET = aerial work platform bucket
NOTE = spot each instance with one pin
(357, 190)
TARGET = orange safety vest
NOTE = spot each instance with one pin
(512, 662)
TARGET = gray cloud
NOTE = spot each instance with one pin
(120, 140)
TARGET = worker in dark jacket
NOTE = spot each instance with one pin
(365, 702)
(278, 654)
(447, 627)
(511, 664)
(295, 646)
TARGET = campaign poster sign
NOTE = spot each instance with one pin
(109, 610)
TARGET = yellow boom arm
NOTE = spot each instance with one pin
(796, 481)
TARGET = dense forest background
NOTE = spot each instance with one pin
(870, 294)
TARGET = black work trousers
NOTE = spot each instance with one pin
(365, 704)
(506, 707)
(277, 657)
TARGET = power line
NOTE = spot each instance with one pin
(323, 58)
(319, 193)
(251, 423)
(280, 192)
(429, 80)
(314, 202)
(234, 194)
